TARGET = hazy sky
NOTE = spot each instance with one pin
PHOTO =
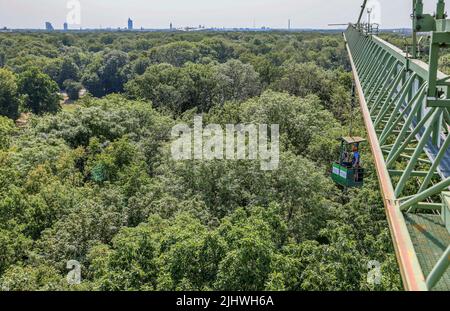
(212, 13)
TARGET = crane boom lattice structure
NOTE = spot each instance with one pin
(405, 103)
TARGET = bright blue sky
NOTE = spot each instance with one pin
(212, 13)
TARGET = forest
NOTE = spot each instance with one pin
(86, 172)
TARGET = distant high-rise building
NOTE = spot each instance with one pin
(171, 26)
(289, 24)
(66, 26)
(49, 26)
(130, 24)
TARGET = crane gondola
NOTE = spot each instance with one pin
(348, 171)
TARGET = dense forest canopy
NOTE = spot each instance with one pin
(91, 179)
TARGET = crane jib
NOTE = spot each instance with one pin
(405, 104)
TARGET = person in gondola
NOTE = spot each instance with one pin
(356, 160)
(345, 159)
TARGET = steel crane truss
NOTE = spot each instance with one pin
(408, 133)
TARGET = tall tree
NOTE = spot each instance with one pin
(107, 74)
(69, 71)
(240, 81)
(163, 84)
(9, 96)
(41, 92)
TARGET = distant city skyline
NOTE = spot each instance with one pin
(153, 14)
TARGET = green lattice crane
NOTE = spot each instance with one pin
(406, 108)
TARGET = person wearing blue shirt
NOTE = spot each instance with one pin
(356, 161)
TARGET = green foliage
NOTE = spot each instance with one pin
(97, 184)
(108, 120)
(6, 130)
(195, 86)
(176, 53)
(221, 49)
(42, 277)
(304, 79)
(107, 73)
(14, 247)
(164, 85)
(41, 93)
(240, 81)
(69, 71)
(9, 95)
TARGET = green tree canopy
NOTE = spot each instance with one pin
(9, 95)
(41, 92)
